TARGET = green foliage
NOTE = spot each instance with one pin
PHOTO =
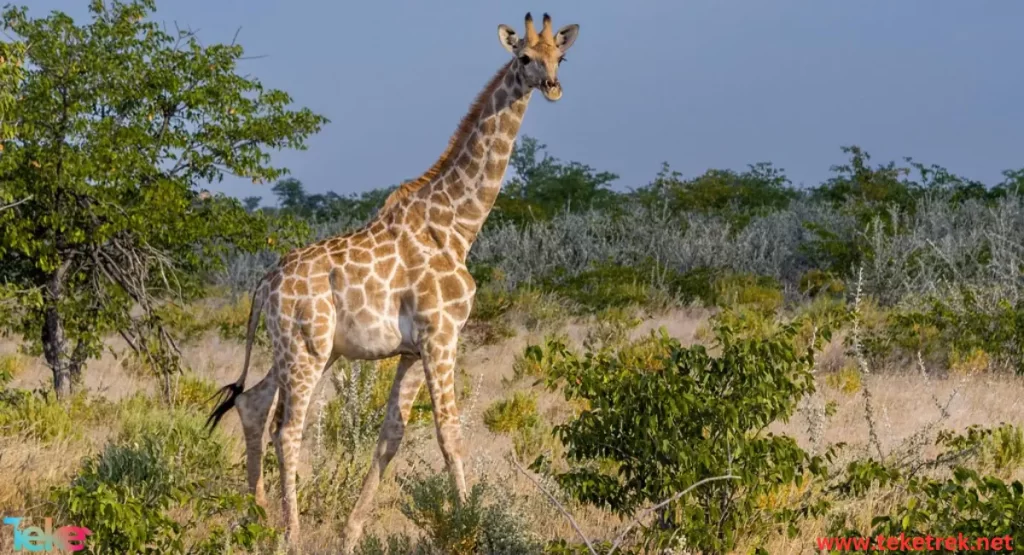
(117, 125)
(489, 320)
(737, 197)
(668, 416)
(819, 282)
(38, 415)
(10, 367)
(611, 328)
(604, 285)
(327, 207)
(540, 188)
(857, 181)
(540, 360)
(161, 487)
(758, 292)
(192, 391)
(955, 331)
(965, 502)
(508, 415)
(452, 528)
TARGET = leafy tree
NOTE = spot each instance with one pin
(737, 196)
(541, 186)
(354, 207)
(117, 124)
(251, 203)
(291, 195)
(857, 181)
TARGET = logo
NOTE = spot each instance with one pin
(34, 538)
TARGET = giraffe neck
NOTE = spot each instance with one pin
(474, 180)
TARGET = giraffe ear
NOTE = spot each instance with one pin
(508, 37)
(566, 36)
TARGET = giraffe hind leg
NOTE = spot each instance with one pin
(253, 409)
(297, 383)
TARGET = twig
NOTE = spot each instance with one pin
(562, 509)
(13, 204)
(649, 510)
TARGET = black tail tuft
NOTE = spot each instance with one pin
(229, 393)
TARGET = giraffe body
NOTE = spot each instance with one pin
(399, 286)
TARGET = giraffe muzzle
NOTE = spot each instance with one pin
(551, 89)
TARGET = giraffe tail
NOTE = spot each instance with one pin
(228, 394)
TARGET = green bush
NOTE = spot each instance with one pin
(452, 528)
(39, 415)
(190, 390)
(604, 285)
(965, 502)
(735, 196)
(509, 415)
(674, 416)
(161, 487)
(954, 332)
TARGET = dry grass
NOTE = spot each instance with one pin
(904, 403)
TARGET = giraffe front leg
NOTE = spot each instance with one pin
(439, 367)
(253, 409)
(407, 384)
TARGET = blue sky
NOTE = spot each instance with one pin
(700, 84)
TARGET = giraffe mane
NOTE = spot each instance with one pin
(463, 131)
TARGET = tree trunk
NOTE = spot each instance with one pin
(53, 350)
(53, 337)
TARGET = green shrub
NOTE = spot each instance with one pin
(737, 290)
(509, 415)
(958, 499)
(10, 367)
(688, 416)
(967, 503)
(536, 309)
(966, 334)
(604, 285)
(161, 487)
(452, 528)
(488, 322)
(190, 390)
(611, 327)
(816, 282)
(537, 360)
(39, 415)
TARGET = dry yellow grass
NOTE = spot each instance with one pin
(905, 401)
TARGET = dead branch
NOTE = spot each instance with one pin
(13, 204)
(561, 508)
(629, 527)
(653, 508)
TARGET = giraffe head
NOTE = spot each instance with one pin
(539, 54)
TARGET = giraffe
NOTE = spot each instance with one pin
(398, 286)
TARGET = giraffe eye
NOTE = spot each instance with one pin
(524, 59)
(561, 59)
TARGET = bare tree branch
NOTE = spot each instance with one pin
(13, 204)
(562, 509)
(629, 527)
(653, 508)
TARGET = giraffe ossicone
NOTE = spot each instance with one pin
(398, 286)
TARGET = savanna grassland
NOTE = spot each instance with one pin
(715, 363)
